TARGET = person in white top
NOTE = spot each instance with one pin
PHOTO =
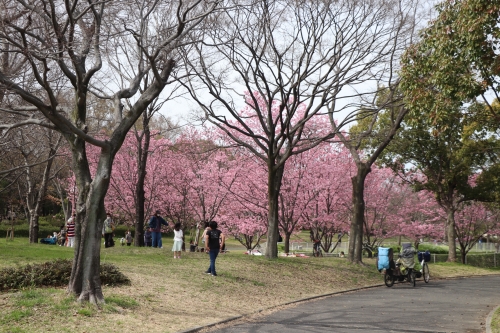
(178, 235)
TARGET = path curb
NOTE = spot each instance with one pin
(227, 320)
(198, 328)
(489, 318)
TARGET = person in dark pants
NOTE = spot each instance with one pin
(155, 224)
(107, 231)
(148, 238)
(128, 238)
(214, 242)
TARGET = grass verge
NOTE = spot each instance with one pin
(495, 322)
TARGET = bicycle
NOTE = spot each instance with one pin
(424, 257)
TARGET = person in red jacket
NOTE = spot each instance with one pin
(70, 231)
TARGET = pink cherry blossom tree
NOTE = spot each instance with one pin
(273, 136)
(328, 211)
(203, 176)
(383, 198)
(122, 199)
(472, 221)
(244, 213)
(298, 191)
(421, 218)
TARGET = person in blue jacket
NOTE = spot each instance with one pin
(155, 223)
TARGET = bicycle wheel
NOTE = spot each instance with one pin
(412, 278)
(388, 279)
(425, 272)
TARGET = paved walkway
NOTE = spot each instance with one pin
(455, 305)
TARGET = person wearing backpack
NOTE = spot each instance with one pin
(155, 223)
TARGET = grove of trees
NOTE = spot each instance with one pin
(340, 117)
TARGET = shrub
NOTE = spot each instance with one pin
(489, 260)
(111, 276)
(22, 230)
(433, 249)
(121, 230)
(52, 273)
(50, 221)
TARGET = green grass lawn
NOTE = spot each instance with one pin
(20, 252)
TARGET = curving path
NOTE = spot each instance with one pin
(455, 305)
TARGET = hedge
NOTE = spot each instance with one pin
(488, 260)
(22, 230)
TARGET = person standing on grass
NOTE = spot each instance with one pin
(61, 239)
(128, 238)
(155, 224)
(107, 231)
(214, 242)
(178, 234)
(70, 231)
(205, 229)
(148, 237)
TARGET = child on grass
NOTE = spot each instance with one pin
(128, 238)
(178, 234)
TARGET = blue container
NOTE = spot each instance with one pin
(383, 258)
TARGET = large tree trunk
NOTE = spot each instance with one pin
(275, 177)
(285, 227)
(450, 232)
(287, 242)
(85, 279)
(142, 155)
(32, 214)
(463, 254)
(355, 254)
(34, 228)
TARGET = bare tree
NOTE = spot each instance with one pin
(37, 148)
(288, 63)
(143, 133)
(390, 30)
(66, 48)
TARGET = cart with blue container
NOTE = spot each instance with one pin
(403, 269)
